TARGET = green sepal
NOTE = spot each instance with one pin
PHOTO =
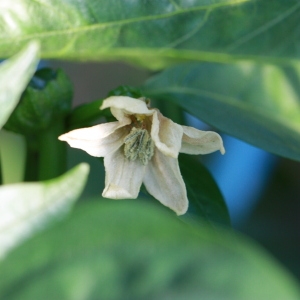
(126, 90)
(47, 97)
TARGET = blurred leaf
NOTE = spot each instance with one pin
(48, 97)
(129, 250)
(15, 74)
(255, 103)
(27, 207)
(205, 198)
(154, 33)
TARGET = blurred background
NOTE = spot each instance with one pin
(262, 191)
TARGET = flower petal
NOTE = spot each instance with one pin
(196, 141)
(121, 106)
(98, 140)
(164, 182)
(123, 178)
(166, 134)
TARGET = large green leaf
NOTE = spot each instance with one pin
(27, 207)
(255, 103)
(133, 250)
(153, 33)
(205, 198)
(15, 74)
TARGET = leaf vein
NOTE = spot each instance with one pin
(121, 22)
(189, 34)
(265, 27)
(175, 4)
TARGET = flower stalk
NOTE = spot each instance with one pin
(13, 156)
(52, 154)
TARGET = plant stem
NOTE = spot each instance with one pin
(31, 171)
(13, 156)
(52, 152)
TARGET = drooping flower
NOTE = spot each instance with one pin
(142, 146)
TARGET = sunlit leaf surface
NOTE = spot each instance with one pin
(154, 33)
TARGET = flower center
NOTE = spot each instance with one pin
(138, 144)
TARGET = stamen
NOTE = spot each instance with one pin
(138, 144)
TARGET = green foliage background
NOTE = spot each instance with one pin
(231, 63)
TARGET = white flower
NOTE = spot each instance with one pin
(142, 147)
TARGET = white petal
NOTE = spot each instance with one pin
(98, 140)
(166, 135)
(123, 178)
(196, 141)
(164, 182)
(121, 106)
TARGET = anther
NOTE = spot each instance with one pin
(138, 144)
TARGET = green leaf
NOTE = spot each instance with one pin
(130, 250)
(47, 98)
(15, 74)
(27, 207)
(154, 33)
(255, 103)
(205, 198)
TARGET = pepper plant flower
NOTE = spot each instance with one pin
(142, 146)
